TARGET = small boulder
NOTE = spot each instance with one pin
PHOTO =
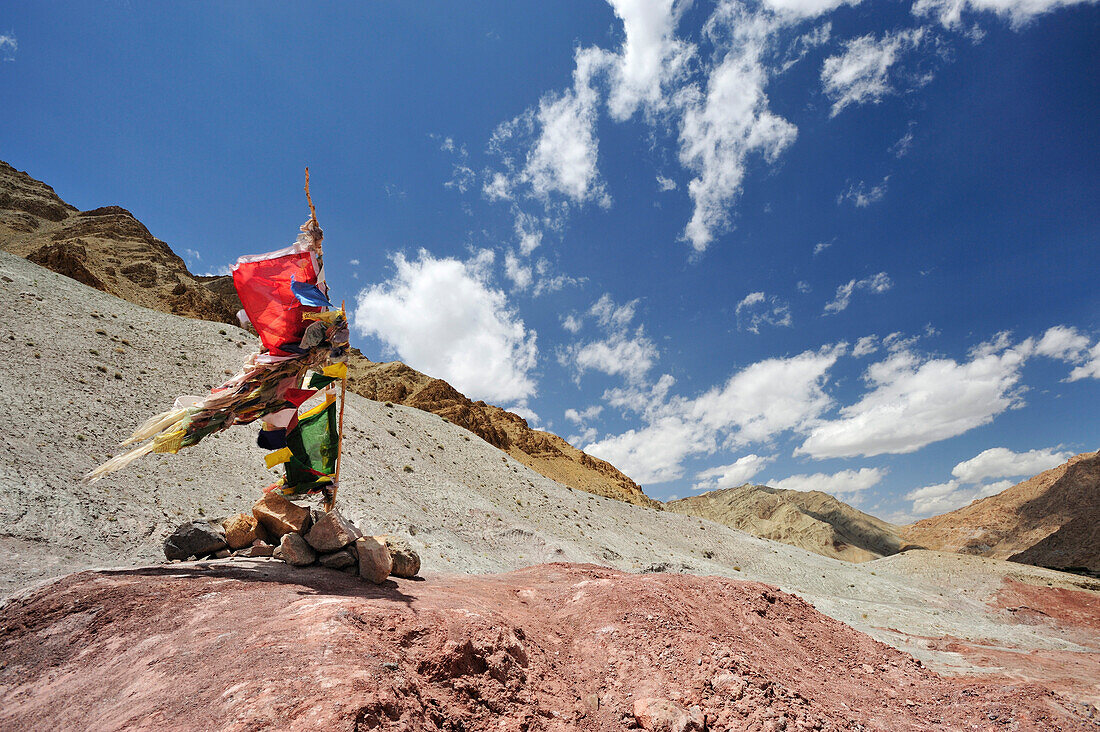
(279, 516)
(221, 554)
(331, 532)
(661, 715)
(293, 549)
(338, 560)
(375, 563)
(406, 562)
(259, 548)
(194, 539)
(240, 530)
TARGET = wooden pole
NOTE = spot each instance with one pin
(340, 426)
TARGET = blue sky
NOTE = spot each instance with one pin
(847, 246)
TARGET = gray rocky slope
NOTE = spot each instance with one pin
(79, 369)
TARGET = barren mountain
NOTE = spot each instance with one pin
(811, 520)
(105, 248)
(1051, 520)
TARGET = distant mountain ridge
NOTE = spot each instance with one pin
(1051, 520)
(812, 520)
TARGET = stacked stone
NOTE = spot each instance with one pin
(284, 530)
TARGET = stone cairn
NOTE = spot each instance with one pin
(297, 535)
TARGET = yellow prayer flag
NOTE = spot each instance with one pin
(278, 457)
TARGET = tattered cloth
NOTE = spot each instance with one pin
(267, 384)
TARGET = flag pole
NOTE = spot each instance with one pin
(340, 426)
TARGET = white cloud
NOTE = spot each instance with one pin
(653, 454)
(861, 74)
(1089, 369)
(610, 315)
(630, 355)
(902, 147)
(650, 59)
(729, 122)
(8, 46)
(865, 346)
(730, 476)
(498, 187)
(876, 284)
(757, 309)
(1000, 462)
(822, 246)
(913, 402)
(1017, 12)
(1063, 343)
(584, 415)
(520, 274)
(354, 262)
(802, 9)
(623, 352)
(586, 435)
(441, 316)
(220, 271)
(563, 159)
(755, 405)
(529, 233)
(861, 195)
(845, 482)
(803, 286)
(943, 497)
(192, 256)
(572, 323)
(665, 184)
(528, 414)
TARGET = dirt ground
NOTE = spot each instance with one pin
(259, 645)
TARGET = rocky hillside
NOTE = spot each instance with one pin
(1051, 520)
(541, 451)
(110, 250)
(105, 248)
(811, 520)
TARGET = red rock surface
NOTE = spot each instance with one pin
(259, 645)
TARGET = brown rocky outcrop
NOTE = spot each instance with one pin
(811, 520)
(1050, 520)
(106, 248)
(541, 451)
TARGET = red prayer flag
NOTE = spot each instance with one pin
(263, 284)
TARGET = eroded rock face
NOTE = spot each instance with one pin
(197, 539)
(106, 248)
(280, 516)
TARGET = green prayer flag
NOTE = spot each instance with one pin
(319, 381)
(313, 444)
